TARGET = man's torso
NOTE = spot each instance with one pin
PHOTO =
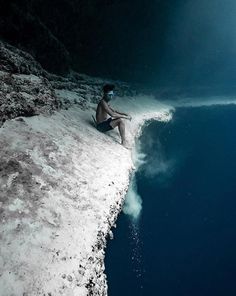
(101, 114)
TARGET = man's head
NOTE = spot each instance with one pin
(108, 92)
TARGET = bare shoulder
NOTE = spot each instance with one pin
(100, 104)
(104, 104)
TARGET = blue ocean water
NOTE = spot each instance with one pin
(184, 243)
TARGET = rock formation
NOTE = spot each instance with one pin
(62, 183)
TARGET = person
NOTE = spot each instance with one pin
(116, 119)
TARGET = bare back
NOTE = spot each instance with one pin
(101, 113)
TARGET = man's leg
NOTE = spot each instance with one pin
(121, 126)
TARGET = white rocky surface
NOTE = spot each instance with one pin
(26, 89)
(62, 185)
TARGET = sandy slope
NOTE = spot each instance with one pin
(62, 186)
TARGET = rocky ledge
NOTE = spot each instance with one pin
(62, 183)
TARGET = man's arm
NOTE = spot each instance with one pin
(112, 112)
(120, 113)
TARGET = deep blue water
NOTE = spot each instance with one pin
(184, 243)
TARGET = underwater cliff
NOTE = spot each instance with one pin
(62, 183)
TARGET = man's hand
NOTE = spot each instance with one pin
(129, 117)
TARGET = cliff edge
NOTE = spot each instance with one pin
(62, 183)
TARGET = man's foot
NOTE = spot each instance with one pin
(126, 144)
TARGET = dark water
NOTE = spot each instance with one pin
(185, 241)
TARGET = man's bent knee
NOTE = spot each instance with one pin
(115, 122)
(122, 124)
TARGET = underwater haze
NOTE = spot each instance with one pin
(183, 242)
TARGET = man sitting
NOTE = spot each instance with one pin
(104, 123)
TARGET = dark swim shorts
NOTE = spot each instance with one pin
(104, 126)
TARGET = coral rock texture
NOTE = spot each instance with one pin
(62, 183)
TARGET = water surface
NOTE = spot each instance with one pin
(184, 242)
